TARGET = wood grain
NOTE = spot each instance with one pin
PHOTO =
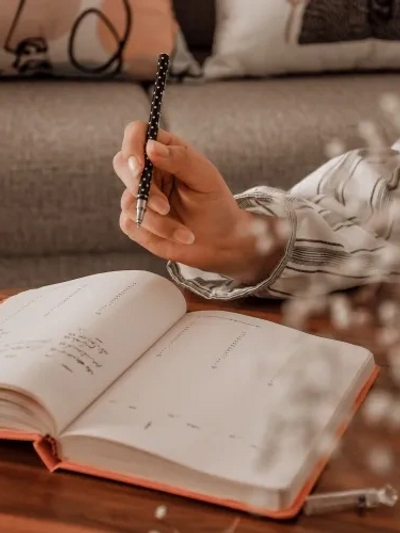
(33, 500)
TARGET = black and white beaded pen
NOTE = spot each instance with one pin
(152, 132)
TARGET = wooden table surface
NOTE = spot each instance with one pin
(33, 500)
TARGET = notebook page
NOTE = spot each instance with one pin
(217, 387)
(66, 343)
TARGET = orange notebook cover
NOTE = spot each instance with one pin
(46, 447)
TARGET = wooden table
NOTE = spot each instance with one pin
(33, 500)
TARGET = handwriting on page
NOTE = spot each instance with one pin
(175, 339)
(78, 351)
(235, 343)
(115, 299)
(75, 351)
(176, 422)
(229, 350)
(65, 300)
(21, 309)
(228, 319)
(12, 350)
(3, 334)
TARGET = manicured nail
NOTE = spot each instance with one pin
(184, 236)
(158, 148)
(159, 204)
(134, 166)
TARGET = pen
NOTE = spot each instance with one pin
(350, 499)
(152, 132)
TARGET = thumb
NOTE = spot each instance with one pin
(185, 163)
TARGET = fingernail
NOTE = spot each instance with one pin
(158, 148)
(134, 166)
(184, 236)
(159, 204)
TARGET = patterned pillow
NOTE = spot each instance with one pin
(94, 38)
(263, 37)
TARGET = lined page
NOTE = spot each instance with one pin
(218, 386)
(66, 343)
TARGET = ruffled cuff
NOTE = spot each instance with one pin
(213, 286)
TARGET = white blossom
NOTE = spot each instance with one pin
(360, 317)
(390, 103)
(388, 312)
(370, 133)
(394, 361)
(341, 312)
(388, 336)
(353, 265)
(334, 148)
(265, 244)
(283, 229)
(328, 445)
(393, 415)
(322, 412)
(388, 257)
(376, 407)
(376, 145)
(296, 312)
(256, 499)
(265, 240)
(318, 375)
(367, 129)
(380, 460)
(160, 512)
(259, 227)
(232, 528)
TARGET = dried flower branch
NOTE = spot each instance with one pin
(293, 429)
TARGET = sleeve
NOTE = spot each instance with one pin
(333, 241)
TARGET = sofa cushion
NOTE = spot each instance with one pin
(197, 20)
(92, 39)
(275, 131)
(58, 191)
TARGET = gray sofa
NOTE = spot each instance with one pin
(59, 198)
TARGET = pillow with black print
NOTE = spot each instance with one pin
(266, 37)
(92, 38)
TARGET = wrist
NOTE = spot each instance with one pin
(254, 249)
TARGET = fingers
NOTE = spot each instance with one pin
(188, 165)
(130, 175)
(134, 140)
(170, 154)
(155, 224)
(156, 245)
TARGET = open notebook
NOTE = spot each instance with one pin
(109, 375)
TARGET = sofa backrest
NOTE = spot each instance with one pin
(197, 20)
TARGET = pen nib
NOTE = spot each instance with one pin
(140, 211)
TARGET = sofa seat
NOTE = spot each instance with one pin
(58, 191)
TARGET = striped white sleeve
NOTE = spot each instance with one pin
(338, 237)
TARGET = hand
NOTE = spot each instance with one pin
(192, 217)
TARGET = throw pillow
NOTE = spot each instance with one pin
(264, 37)
(94, 38)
